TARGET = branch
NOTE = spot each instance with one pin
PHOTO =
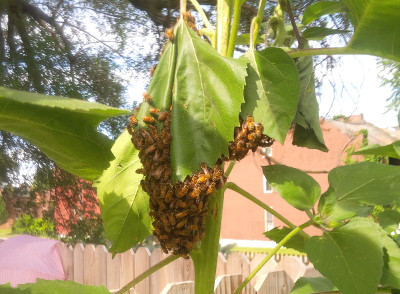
(147, 273)
(293, 22)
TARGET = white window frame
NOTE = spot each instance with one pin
(268, 221)
(267, 188)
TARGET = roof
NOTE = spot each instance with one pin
(354, 124)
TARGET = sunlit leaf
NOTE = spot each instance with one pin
(391, 269)
(54, 287)
(297, 242)
(319, 33)
(307, 132)
(312, 285)
(64, 129)
(208, 92)
(321, 8)
(350, 256)
(376, 23)
(391, 150)
(124, 205)
(296, 187)
(272, 91)
(389, 220)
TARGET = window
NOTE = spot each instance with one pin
(267, 186)
(269, 221)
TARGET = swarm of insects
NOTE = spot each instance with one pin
(247, 137)
(178, 209)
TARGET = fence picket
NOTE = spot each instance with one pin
(113, 267)
(88, 263)
(142, 263)
(179, 288)
(274, 282)
(100, 266)
(268, 267)
(157, 279)
(221, 265)
(291, 265)
(67, 258)
(127, 267)
(78, 263)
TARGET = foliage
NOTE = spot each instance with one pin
(25, 224)
(211, 93)
(86, 230)
(3, 211)
(390, 75)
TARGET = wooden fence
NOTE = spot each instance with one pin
(93, 265)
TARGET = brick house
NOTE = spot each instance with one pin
(243, 222)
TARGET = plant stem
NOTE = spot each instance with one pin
(182, 4)
(205, 258)
(323, 51)
(257, 21)
(293, 22)
(147, 273)
(252, 198)
(230, 167)
(272, 253)
(224, 11)
(235, 27)
(202, 14)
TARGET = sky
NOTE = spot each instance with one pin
(357, 91)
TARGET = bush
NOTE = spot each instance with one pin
(26, 224)
(3, 211)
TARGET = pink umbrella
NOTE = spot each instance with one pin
(25, 258)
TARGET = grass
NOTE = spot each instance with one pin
(5, 232)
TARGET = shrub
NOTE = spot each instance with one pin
(3, 211)
(25, 224)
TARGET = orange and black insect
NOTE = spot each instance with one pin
(170, 34)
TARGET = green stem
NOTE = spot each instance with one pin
(257, 22)
(205, 258)
(147, 273)
(235, 27)
(224, 12)
(230, 167)
(323, 51)
(252, 198)
(182, 4)
(272, 253)
(202, 14)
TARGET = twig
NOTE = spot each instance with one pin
(293, 22)
(147, 273)
(202, 14)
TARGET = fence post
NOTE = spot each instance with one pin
(100, 265)
(142, 263)
(67, 258)
(88, 265)
(78, 263)
(113, 267)
(127, 269)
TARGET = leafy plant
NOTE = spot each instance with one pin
(25, 224)
(3, 211)
(204, 107)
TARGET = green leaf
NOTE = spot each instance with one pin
(367, 182)
(319, 33)
(124, 205)
(297, 242)
(391, 150)
(272, 91)
(376, 23)
(244, 39)
(313, 285)
(389, 220)
(296, 187)
(208, 92)
(307, 132)
(64, 129)
(160, 85)
(391, 269)
(54, 287)
(350, 256)
(321, 8)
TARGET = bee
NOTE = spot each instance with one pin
(165, 221)
(148, 119)
(183, 232)
(202, 178)
(188, 245)
(193, 228)
(252, 136)
(250, 123)
(170, 34)
(184, 255)
(182, 214)
(153, 69)
(162, 115)
(157, 172)
(141, 171)
(150, 149)
(147, 136)
(182, 191)
(147, 97)
(210, 188)
(182, 223)
(163, 237)
(171, 219)
(167, 173)
(169, 196)
(181, 204)
(154, 110)
(196, 192)
(133, 120)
